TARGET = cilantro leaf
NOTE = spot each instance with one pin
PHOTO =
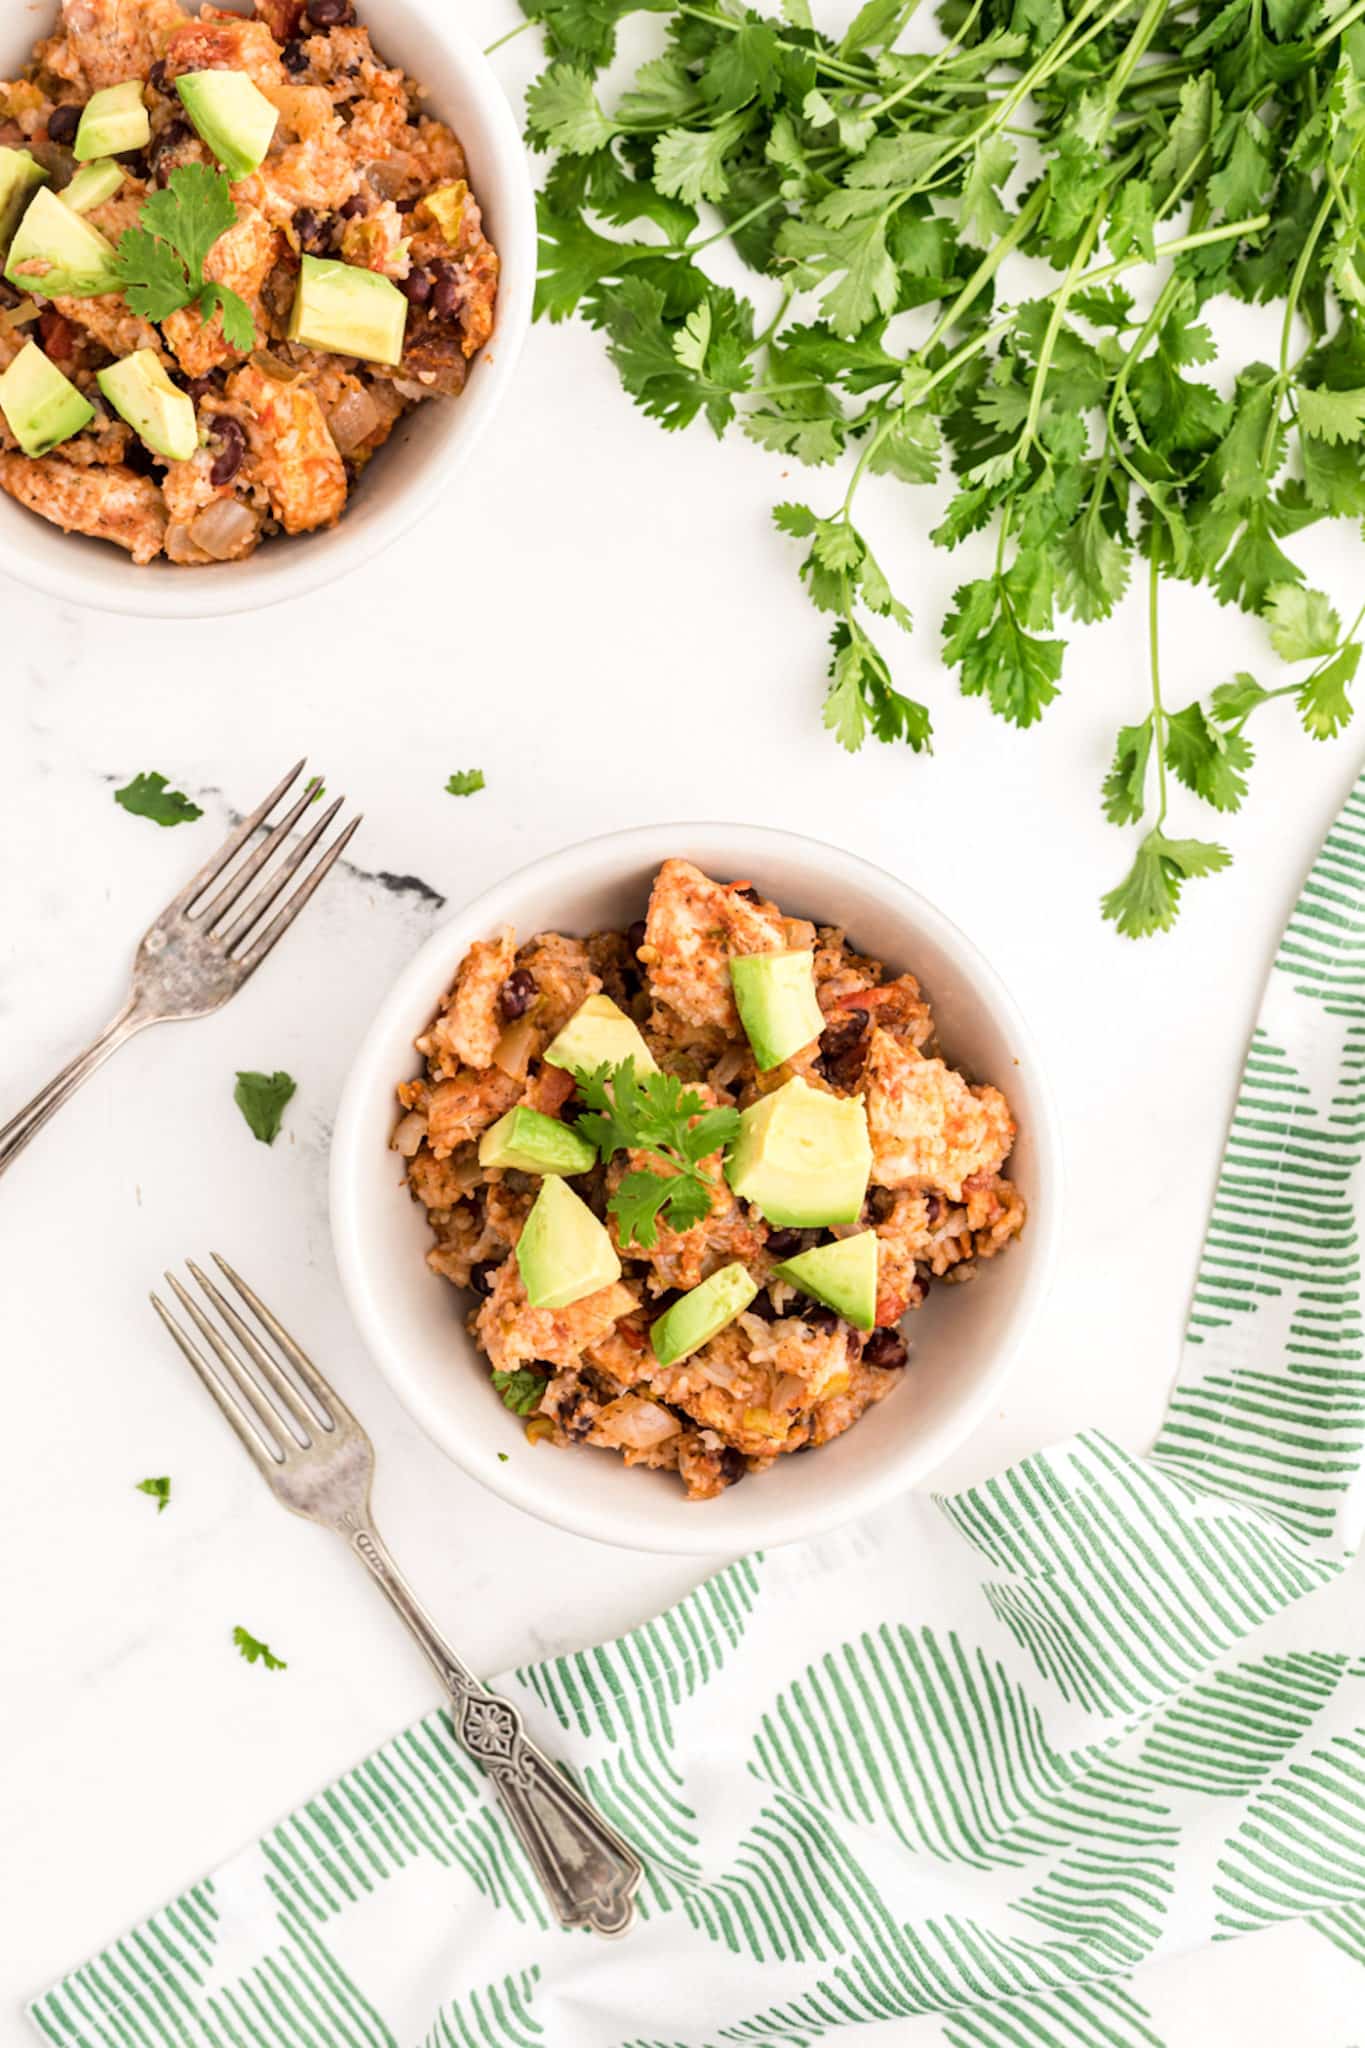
(1333, 416)
(563, 112)
(160, 1491)
(262, 1099)
(1323, 703)
(1125, 785)
(1303, 624)
(1148, 897)
(160, 262)
(257, 1652)
(657, 1114)
(148, 796)
(521, 1390)
(466, 782)
(1206, 760)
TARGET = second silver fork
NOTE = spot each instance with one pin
(197, 955)
(318, 1461)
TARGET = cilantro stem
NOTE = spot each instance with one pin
(1028, 436)
(1337, 28)
(1158, 709)
(512, 34)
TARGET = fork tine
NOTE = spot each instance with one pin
(234, 842)
(249, 1395)
(329, 1402)
(264, 1452)
(269, 846)
(274, 884)
(282, 919)
(286, 1394)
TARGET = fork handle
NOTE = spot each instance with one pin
(30, 1120)
(588, 1872)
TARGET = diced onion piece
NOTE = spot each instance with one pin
(514, 1051)
(639, 1424)
(354, 420)
(407, 1139)
(223, 527)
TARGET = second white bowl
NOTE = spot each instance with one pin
(963, 1339)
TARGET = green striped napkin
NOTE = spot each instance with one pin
(967, 1769)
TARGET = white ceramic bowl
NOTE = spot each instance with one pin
(425, 38)
(964, 1337)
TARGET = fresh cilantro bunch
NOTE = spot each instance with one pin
(161, 262)
(1213, 149)
(655, 1113)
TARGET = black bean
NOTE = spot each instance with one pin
(881, 1204)
(231, 436)
(445, 294)
(314, 231)
(8, 295)
(762, 1306)
(732, 1465)
(817, 1315)
(886, 1349)
(62, 124)
(635, 935)
(482, 1276)
(572, 1110)
(750, 894)
(416, 287)
(140, 460)
(517, 994)
(294, 57)
(357, 205)
(156, 77)
(136, 162)
(171, 138)
(933, 1209)
(841, 1047)
(330, 13)
(785, 1244)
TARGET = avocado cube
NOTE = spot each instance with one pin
(43, 407)
(114, 120)
(158, 411)
(599, 1035)
(232, 116)
(702, 1313)
(563, 1252)
(92, 185)
(57, 253)
(775, 997)
(842, 1275)
(528, 1141)
(803, 1158)
(20, 176)
(349, 311)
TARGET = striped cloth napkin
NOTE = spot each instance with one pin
(965, 1770)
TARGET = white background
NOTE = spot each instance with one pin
(605, 621)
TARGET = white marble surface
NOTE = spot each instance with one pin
(605, 621)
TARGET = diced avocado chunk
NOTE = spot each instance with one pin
(158, 411)
(843, 1275)
(803, 1158)
(114, 120)
(20, 177)
(697, 1318)
(43, 407)
(57, 253)
(233, 117)
(349, 311)
(564, 1253)
(531, 1142)
(92, 185)
(599, 1035)
(775, 997)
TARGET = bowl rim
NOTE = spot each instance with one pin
(373, 1066)
(164, 593)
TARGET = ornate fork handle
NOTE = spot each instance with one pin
(31, 1118)
(589, 1873)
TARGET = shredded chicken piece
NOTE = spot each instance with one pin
(928, 1127)
(694, 928)
(293, 457)
(513, 1333)
(106, 503)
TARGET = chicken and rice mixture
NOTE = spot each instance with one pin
(786, 1374)
(357, 172)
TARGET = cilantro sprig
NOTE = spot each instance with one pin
(997, 186)
(160, 1491)
(263, 1099)
(256, 1652)
(161, 262)
(521, 1390)
(149, 795)
(655, 1113)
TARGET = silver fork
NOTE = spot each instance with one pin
(318, 1461)
(193, 960)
